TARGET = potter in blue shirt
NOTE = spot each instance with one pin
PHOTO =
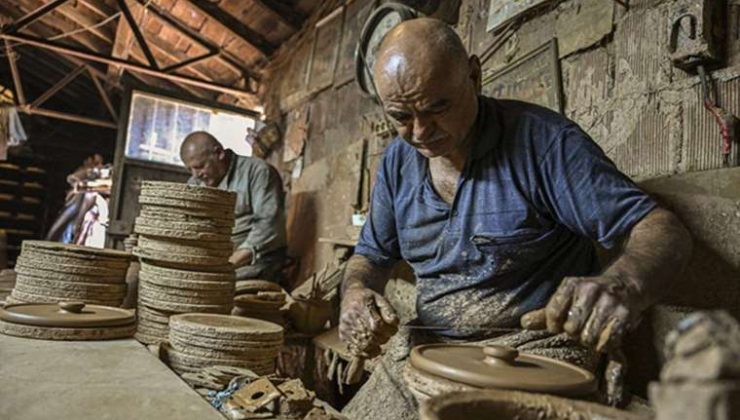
(496, 205)
(534, 195)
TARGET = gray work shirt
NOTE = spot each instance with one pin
(259, 211)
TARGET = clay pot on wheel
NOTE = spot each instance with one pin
(436, 369)
(505, 405)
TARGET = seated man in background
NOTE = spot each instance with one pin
(495, 204)
(259, 234)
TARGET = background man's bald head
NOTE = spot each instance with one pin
(420, 45)
(199, 143)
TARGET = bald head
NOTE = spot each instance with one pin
(428, 85)
(424, 49)
(205, 157)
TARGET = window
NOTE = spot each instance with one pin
(157, 126)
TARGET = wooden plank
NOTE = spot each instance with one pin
(284, 12)
(134, 27)
(34, 15)
(61, 84)
(12, 57)
(122, 44)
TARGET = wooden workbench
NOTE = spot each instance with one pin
(76, 380)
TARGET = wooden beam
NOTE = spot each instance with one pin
(223, 56)
(34, 15)
(189, 62)
(67, 117)
(122, 45)
(284, 12)
(103, 95)
(234, 25)
(86, 55)
(57, 87)
(98, 7)
(137, 33)
(85, 21)
(12, 57)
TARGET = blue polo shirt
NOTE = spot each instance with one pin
(534, 194)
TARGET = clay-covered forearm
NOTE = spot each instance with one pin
(361, 272)
(656, 251)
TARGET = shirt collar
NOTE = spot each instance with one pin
(487, 128)
(229, 174)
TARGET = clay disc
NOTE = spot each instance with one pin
(221, 345)
(501, 367)
(177, 215)
(76, 259)
(74, 278)
(51, 333)
(226, 327)
(173, 273)
(221, 215)
(76, 269)
(220, 292)
(171, 283)
(194, 298)
(184, 204)
(185, 260)
(179, 233)
(143, 312)
(215, 358)
(33, 298)
(149, 338)
(212, 249)
(204, 226)
(190, 192)
(248, 353)
(193, 364)
(91, 288)
(78, 315)
(67, 294)
(76, 249)
(184, 307)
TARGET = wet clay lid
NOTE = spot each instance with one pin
(502, 367)
(66, 315)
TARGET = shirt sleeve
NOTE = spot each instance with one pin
(379, 237)
(586, 192)
(266, 196)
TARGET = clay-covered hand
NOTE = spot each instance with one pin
(366, 322)
(241, 257)
(597, 310)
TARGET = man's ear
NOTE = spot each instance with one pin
(475, 72)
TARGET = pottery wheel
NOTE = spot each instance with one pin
(501, 367)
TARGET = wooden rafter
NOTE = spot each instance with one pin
(12, 57)
(61, 84)
(103, 95)
(34, 15)
(284, 12)
(86, 55)
(137, 34)
(236, 27)
(223, 56)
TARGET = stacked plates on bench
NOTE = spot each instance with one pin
(50, 272)
(197, 341)
(184, 246)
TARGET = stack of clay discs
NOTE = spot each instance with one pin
(185, 227)
(167, 291)
(197, 341)
(184, 243)
(66, 321)
(50, 272)
(260, 299)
